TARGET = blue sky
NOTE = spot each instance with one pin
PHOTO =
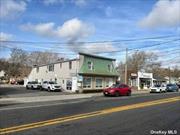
(71, 21)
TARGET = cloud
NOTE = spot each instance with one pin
(71, 30)
(108, 11)
(52, 2)
(74, 29)
(43, 29)
(165, 13)
(79, 2)
(5, 36)
(9, 8)
(76, 2)
(92, 47)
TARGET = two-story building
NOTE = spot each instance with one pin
(88, 72)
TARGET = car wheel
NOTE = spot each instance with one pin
(27, 87)
(49, 89)
(41, 88)
(117, 94)
(32, 87)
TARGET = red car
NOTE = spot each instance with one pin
(117, 90)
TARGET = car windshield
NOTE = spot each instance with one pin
(115, 86)
(52, 83)
(157, 85)
(170, 85)
(35, 82)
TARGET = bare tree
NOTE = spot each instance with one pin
(39, 58)
(139, 61)
(18, 56)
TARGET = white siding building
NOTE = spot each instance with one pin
(88, 72)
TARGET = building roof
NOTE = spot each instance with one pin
(55, 63)
(96, 56)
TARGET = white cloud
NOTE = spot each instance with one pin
(71, 30)
(92, 47)
(108, 11)
(79, 2)
(76, 2)
(165, 13)
(5, 36)
(9, 8)
(74, 29)
(99, 48)
(51, 2)
(43, 29)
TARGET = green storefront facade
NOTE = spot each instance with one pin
(96, 72)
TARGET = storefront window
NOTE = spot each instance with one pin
(98, 83)
(87, 83)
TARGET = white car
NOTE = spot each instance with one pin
(32, 85)
(158, 88)
(51, 86)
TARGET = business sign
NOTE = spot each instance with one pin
(144, 75)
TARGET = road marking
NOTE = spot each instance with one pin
(85, 115)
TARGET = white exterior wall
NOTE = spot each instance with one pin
(61, 74)
(2, 73)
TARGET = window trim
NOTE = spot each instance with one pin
(90, 65)
(52, 68)
(96, 83)
(90, 83)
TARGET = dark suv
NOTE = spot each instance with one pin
(171, 88)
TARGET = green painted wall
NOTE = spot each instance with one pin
(100, 67)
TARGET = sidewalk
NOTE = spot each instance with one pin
(56, 97)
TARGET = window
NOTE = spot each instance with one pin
(70, 65)
(37, 69)
(60, 65)
(110, 67)
(90, 65)
(87, 83)
(69, 85)
(51, 67)
(98, 83)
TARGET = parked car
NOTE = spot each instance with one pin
(172, 88)
(33, 85)
(158, 88)
(51, 86)
(178, 84)
(117, 90)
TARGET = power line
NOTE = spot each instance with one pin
(82, 42)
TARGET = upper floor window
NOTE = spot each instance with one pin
(70, 65)
(90, 65)
(37, 69)
(51, 67)
(110, 67)
(60, 65)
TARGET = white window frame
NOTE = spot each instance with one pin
(90, 65)
(85, 87)
(96, 83)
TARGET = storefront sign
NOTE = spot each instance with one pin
(144, 75)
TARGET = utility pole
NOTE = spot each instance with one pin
(125, 79)
(169, 75)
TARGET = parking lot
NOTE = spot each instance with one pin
(21, 91)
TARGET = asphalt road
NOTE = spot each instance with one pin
(162, 117)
